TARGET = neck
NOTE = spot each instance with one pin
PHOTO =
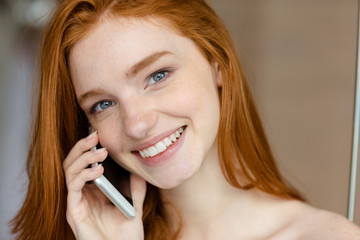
(203, 198)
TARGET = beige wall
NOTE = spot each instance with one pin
(300, 58)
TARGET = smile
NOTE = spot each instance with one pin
(162, 145)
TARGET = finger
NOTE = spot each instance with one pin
(75, 186)
(138, 191)
(84, 161)
(81, 147)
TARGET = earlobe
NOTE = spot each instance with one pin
(218, 74)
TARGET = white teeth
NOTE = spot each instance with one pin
(153, 151)
(146, 152)
(177, 134)
(167, 142)
(173, 138)
(161, 145)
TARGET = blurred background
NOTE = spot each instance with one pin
(300, 60)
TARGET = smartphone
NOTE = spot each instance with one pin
(115, 175)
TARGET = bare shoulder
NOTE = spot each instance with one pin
(275, 218)
(308, 222)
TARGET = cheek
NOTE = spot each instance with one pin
(201, 99)
(111, 139)
(194, 95)
(187, 100)
(109, 134)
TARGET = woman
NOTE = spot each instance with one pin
(141, 73)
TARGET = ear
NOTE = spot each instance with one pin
(218, 74)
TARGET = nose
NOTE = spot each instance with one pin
(138, 118)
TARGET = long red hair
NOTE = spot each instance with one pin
(245, 156)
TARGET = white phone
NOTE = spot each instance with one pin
(110, 191)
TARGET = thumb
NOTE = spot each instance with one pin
(138, 192)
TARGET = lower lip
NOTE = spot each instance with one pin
(165, 155)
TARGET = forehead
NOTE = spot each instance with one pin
(131, 38)
(113, 45)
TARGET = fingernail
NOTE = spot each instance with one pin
(91, 135)
(100, 150)
(95, 167)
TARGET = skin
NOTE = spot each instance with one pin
(187, 96)
(135, 112)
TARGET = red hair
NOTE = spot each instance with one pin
(243, 148)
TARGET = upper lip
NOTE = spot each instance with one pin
(155, 140)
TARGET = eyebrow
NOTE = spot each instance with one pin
(133, 71)
(146, 62)
(91, 93)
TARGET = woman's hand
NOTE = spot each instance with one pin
(89, 213)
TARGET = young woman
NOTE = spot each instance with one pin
(161, 83)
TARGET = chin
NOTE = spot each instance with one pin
(174, 183)
(174, 178)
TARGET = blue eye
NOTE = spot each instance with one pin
(101, 106)
(158, 76)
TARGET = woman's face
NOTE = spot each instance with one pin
(152, 96)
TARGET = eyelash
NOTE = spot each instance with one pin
(93, 108)
(166, 72)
